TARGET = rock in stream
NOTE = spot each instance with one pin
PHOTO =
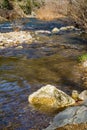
(73, 115)
(49, 99)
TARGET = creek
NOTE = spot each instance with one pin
(50, 59)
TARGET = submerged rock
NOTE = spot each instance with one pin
(72, 115)
(50, 99)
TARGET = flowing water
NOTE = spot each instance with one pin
(51, 59)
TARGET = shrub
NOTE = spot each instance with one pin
(78, 12)
(36, 4)
(27, 7)
(82, 58)
(6, 5)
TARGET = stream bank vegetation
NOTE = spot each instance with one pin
(75, 10)
(83, 58)
(14, 9)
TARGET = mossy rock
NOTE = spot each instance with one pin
(82, 58)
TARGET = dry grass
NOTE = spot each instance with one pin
(52, 10)
(45, 13)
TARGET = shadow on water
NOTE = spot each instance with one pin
(49, 60)
(31, 24)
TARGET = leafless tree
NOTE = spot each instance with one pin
(78, 11)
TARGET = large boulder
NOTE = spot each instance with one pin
(50, 99)
(70, 116)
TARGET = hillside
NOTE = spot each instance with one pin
(45, 9)
(11, 9)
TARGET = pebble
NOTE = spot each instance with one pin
(11, 38)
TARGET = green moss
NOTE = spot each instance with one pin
(82, 58)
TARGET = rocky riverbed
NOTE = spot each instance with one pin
(34, 57)
(14, 39)
(49, 99)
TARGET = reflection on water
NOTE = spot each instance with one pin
(19, 78)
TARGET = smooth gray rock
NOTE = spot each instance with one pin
(85, 103)
(72, 115)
